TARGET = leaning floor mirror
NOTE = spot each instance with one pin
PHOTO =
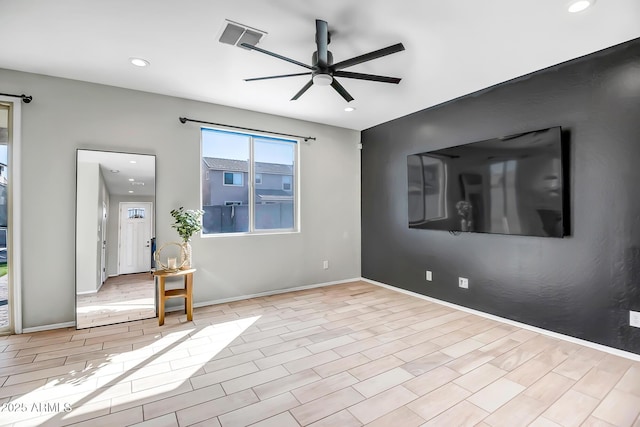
(115, 229)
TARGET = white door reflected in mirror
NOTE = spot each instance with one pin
(115, 198)
(135, 237)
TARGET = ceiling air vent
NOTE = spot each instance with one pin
(236, 34)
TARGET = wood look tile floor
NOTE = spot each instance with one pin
(120, 299)
(346, 355)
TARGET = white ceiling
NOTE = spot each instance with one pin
(118, 169)
(452, 48)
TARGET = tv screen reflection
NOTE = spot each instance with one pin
(511, 185)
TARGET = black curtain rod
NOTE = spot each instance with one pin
(25, 98)
(185, 120)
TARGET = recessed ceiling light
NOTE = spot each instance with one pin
(130, 191)
(349, 109)
(576, 6)
(139, 62)
(132, 161)
(131, 179)
(114, 171)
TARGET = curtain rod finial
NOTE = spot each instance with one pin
(26, 98)
(182, 119)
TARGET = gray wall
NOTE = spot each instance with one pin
(87, 231)
(66, 115)
(112, 228)
(583, 285)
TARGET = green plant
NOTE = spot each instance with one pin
(187, 222)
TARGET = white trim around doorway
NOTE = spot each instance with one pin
(14, 245)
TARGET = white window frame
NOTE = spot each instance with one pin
(14, 244)
(295, 181)
(234, 173)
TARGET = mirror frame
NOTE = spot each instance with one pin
(76, 232)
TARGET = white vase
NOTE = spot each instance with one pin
(185, 256)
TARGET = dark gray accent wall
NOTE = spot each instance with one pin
(582, 285)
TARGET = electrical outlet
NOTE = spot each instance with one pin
(325, 265)
(634, 318)
(428, 276)
(463, 282)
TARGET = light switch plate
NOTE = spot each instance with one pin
(634, 318)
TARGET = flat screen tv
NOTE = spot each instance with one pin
(509, 185)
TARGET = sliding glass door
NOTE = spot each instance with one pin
(5, 300)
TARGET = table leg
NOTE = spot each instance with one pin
(189, 300)
(184, 285)
(161, 300)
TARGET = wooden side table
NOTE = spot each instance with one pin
(186, 292)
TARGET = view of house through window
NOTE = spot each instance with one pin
(248, 182)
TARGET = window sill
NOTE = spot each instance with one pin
(255, 233)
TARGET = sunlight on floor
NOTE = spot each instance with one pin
(95, 385)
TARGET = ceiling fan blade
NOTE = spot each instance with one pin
(276, 77)
(372, 77)
(322, 42)
(342, 91)
(369, 56)
(303, 90)
(275, 55)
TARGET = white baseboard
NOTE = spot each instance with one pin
(610, 350)
(91, 292)
(264, 294)
(49, 327)
(206, 303)
(552, 334)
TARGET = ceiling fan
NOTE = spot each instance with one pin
(324, 71)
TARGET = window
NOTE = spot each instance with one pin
(233, 178)
(269, 200)
(286, 183)
(135, 213)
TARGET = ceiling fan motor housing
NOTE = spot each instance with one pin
(314, 59)
(321, 76)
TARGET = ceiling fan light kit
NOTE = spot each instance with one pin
(322, 79)
(323, 72)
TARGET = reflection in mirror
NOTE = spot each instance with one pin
(115, 229)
